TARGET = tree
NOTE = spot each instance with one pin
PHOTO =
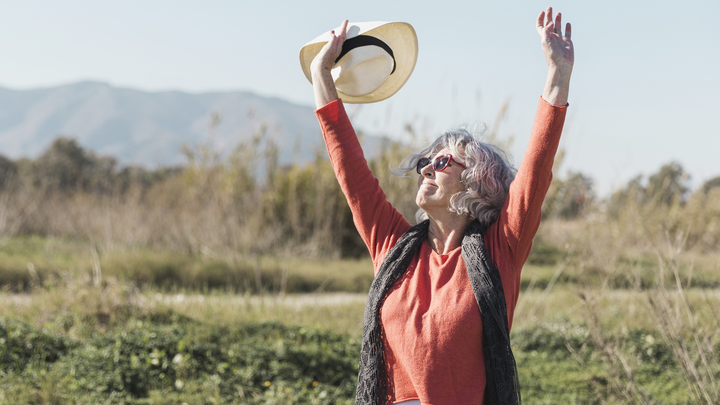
(8, 170)
(62, 165)
(571, 197)
(632, 193)
(66, 166)
(710, 184)
(668, 185)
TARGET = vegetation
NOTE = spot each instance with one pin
(236, 280)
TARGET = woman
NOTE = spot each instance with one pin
(441, 305)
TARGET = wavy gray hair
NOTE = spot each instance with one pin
(487, 177)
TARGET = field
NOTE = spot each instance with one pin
(73, 341)
(204, 285)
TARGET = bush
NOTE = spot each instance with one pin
(264, 361)
(21, 345)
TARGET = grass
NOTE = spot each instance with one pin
(27, 260)
(31, 259)
(66, 321)
(80, 327)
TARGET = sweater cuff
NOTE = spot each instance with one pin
(550, 116)
(331, 111)
(554, 106)
(334, 121)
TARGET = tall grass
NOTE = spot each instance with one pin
(662, 251)
(240, 204)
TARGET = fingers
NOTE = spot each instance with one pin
(545, 21)
(330, 47)
(540, 21)
(325, 59)
(331, 42)
(337, 38)
(558, 24)
(343, 31)
(548, 16)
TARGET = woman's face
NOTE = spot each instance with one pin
(436, 188)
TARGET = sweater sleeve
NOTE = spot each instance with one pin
(380, 225)
(520, 216)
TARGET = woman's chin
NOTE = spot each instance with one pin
(429, 205)
(422, 201)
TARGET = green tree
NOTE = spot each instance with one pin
(710, 184)
(62, 165)
(668, 185)
(66, 166)
(632, 193)
(8, 170)
(571, 197)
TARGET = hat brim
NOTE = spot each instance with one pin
(399, 36)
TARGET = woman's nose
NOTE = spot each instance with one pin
(427, 171)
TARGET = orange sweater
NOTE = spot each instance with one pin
(432, 325)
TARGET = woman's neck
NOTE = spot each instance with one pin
(446, 231)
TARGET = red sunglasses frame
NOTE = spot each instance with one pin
(427, 161)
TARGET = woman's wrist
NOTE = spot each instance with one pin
(557, 85)
(323, 87)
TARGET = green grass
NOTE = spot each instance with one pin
(158, 354)
(64, 339)
(53, 260)
(25, 261)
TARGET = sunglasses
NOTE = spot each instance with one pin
(439, 163)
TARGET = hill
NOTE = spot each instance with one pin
(148, 128)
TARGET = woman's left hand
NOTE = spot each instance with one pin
(558, 49)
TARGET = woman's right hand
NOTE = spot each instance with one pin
(323, 84)
(325, 60)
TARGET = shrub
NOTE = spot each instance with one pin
(21, 345)
(261, 360)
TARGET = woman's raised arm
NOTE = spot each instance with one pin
(559, 54)
(377, 221)
(522, 212)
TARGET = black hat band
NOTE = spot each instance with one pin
(365, 40)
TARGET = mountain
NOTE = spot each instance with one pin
(149, 128)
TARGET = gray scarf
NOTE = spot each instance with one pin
(502, 386)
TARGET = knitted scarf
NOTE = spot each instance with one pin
(502, 386)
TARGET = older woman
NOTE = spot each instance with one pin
(441, 305)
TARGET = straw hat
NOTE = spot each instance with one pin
(377, 59)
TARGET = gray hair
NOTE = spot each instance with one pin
(487, 177)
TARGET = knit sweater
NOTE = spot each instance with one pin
(431, 323)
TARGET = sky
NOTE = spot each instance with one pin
(644, 90)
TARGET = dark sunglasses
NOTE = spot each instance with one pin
(439, 163)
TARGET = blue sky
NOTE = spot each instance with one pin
(644, 92)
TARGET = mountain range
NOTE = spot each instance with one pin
(149, 128)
